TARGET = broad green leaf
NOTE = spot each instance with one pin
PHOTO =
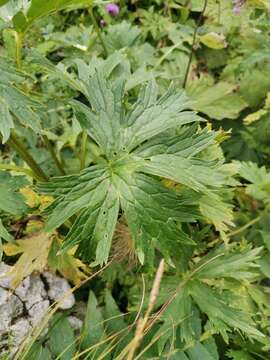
(219, 101)
(183, 171)
(61, 339)
(152, 213)
(93, 328)
(258, 178)
(114, 319)
(4, 234)
(105, 225)
(24, 108)
(148, 139)
(11, 200)
(39, 8)
(221, 315)
(217, 211)
(3, 2)
(38, 352)
(121, 36)
(234, 264)
(185, 141)
(239, 355)
(199, 351)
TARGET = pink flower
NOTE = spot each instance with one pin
(112, 9)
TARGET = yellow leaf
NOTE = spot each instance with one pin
(34, 252)
(171, 185)
(214, 40)
(251, 118)
(34, 226)
(31, 198)
(260, 4)
(45, 201)
(67, 264)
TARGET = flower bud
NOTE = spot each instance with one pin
(112, 9)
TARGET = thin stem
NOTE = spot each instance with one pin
(16, 168)
(193, 43)
(171, 49)
(246, 226)
(83, 150)
(142, 322)
(53, 155)
(20, 148)
(219, 11)
(242, 228)
(94, 21)
(18, 50)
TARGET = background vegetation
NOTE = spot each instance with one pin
(134, 162)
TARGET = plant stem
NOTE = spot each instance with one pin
(53, 155)
(163, 57)
(142, 322)
(22, 151)
(193, 43)
(94, 21)
(83, 149)
(18, 50)
(16, 168)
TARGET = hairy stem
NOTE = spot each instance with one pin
(22, 151)
(53, 155)
(83, 150)
(94, 21)
(193, 43)
(18, 50)
(16, 168)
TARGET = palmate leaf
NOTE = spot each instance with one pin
(258, 178)
(15, 104)
(35, 9)
(138, 146)
(195, 296)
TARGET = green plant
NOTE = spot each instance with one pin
(140, 141)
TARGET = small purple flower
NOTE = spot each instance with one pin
(103, 23)
(237, 6)
(112, 9)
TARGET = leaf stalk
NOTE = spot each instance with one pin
(97, 29)
(22, 151)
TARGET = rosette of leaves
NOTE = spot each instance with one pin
(138, 145)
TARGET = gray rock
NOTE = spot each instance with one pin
(22, 290)
(4, 294)
(5, 318)
(5, 279)
(19, 331)
(75, 323)
(24, 308)
(58, 290)
(11, 308)
(36, 292)
(37, 311)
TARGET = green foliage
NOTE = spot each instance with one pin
(120, 166)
